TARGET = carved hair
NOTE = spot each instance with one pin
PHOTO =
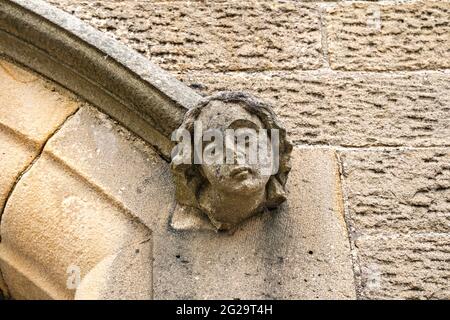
(189, 179)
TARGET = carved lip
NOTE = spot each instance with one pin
(241, 171)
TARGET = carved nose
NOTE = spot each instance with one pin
(240, 155)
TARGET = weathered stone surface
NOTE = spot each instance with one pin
(99, 69)
(227, 36)
(55, 220)
(30, 105)
(399, 207)
(96, 146)
(15, 156)
(126, 275)
(389, 36)
(301, 251)
(404, 266)
(229, 194)
(3, 288)
(358, 109)
(30, 111)
(87, 224)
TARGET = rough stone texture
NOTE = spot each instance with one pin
(31, 106)
(358, 109)
(225, 36)
(399, 207)
(96, 146)
(407, 36)
(55, 220)
(301, 251)
(3, 288)
(15, 156)
(143, 97)
(126, 275)
(397, 201)
(30, 111)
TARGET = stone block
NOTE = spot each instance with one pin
(118, 162)
(389, 36)
(352, 110)
(126, 275)
(399, 207)
(30, 111)
(57, 223)
(218, 35)
(300, 251)
(31, 106)
(15, 156)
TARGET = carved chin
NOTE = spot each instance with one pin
(226, 213)
(241, 186)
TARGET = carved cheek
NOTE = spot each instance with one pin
(213, 173)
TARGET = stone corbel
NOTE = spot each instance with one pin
(208, 174)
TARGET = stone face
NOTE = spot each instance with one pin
(399, 206)
(227, 186)
(357, 110)
(225, 36)
(392, 36)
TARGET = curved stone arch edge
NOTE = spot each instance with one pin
(150, 82)
(119, 81)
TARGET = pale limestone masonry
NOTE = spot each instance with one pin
(30, 112)
(56, 219)
(352, 110)
(312, 249)
(76, 213)
(99, 201)
(399, 206)
(364, 89)
(377, 90)
(195, 35)
(407, 36)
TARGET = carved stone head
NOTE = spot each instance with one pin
(227, 186)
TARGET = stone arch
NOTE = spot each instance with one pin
(119, 82)
(274, 258)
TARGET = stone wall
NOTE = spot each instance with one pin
(98, 201)
(369, 79)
